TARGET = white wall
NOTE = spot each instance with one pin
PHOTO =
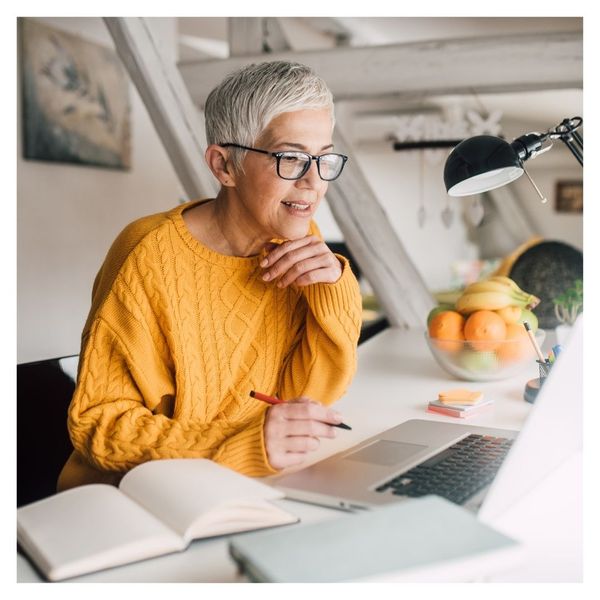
(68, 215)
(551, 225)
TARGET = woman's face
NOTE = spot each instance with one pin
(266, 199)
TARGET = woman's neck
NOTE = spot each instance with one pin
(219, 225)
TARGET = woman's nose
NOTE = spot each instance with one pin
(311, 176)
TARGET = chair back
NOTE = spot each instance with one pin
(44, 391)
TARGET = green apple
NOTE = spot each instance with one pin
(478, 362)
(438, 309)
(527, 315)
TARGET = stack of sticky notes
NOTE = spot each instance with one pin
(460, 403)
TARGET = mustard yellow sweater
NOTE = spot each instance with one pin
(176, 338)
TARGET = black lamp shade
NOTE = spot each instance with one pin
(479, 164)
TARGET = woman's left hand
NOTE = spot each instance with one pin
(301, 262)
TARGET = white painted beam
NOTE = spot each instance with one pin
(303, 36)
(507, 63)
(178, 122)
(375, 245)
(255, 35)
(331, 26)
(245, 36)
(276, 37)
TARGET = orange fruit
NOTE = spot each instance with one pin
(438, 309)
(447, 329)
(517, 345)
(484, 330)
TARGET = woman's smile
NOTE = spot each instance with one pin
(303, 210)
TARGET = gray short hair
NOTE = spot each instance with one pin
(240, 108)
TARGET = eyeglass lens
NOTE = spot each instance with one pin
(293, 165)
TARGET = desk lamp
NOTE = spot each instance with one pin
(484, 162)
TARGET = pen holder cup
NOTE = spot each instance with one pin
(533, 386)
(544, 369)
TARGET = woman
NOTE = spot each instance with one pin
(194, 308)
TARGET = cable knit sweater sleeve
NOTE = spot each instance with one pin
(114, 418)
(322, 360)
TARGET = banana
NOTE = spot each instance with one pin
(532, 301)
(503, 285)
(491, 286)
(472, 302)
(507, 280)
(469, 303)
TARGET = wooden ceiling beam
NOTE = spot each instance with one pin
(508, 63)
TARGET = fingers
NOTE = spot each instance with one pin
(301, 262)
(280, 260)
(281, 249)
(309, 411)
(287, 459)
(293, 429)
(301, 444)
(323, 275)
(283, 422)
(307, 269)
(309, 428)
(284, 451)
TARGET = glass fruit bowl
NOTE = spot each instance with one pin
(485, 360)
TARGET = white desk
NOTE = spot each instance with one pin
(396, 378)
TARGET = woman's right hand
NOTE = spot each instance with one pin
(294, 428)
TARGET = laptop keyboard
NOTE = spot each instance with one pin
(456, 473)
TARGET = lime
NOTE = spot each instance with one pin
(479, 362)
(527, 315)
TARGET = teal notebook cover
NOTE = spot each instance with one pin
(396, 538)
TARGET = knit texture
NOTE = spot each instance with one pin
(176, 338)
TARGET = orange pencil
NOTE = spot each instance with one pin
(273, 400)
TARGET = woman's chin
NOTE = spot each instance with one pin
(294, 231)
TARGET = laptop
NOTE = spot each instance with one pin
(455, 461)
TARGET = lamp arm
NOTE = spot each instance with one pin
(577, 153)
(566, 131)
(530, 145)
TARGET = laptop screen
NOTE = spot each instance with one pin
(552, 433)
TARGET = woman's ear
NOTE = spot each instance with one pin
(217, 159)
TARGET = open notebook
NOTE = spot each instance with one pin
(159, 507)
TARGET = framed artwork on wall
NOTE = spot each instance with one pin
(76, 106)
(569, 196)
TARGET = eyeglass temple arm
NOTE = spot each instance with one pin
(246, 148)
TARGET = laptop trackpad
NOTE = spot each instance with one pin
(384, 452)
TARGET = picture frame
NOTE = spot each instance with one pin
(569, 197)
(76, 99)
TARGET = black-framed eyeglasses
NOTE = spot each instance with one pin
(294, 165)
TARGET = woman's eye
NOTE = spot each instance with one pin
(290, 159)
